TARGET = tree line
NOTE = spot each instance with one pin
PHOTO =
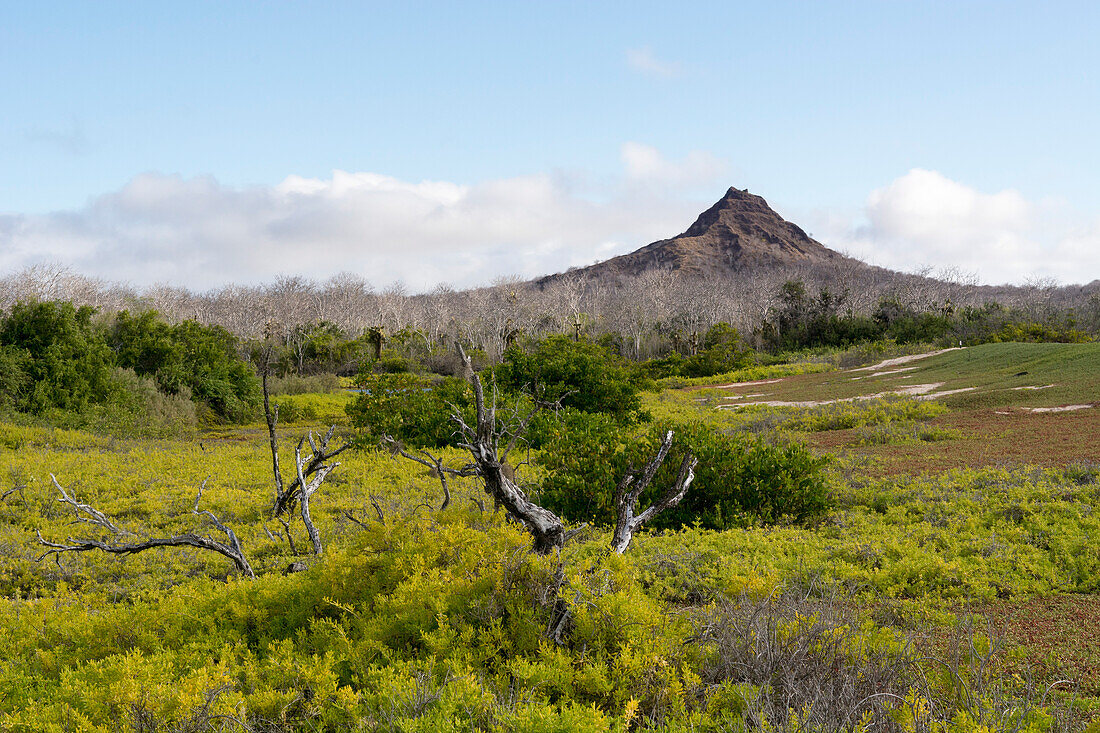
(652, 315)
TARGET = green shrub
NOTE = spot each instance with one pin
(584, 375)
(722, 351)
(748, 374)
(60, 360)
(15, 381)
(738, 481)
(203, 359)
(410, 408)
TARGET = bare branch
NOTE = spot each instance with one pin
(289, 536)
(285, 499)
(308, 489)
(545, 526)
(627, 493)
(232, 550)
(432, 463)
(576, 531)
(350, 516)
(272, 416)
(94, 516)
(377, 509)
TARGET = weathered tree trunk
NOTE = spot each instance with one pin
(545, 527)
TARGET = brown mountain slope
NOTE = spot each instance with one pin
(740, 231)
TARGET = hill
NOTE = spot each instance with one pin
(739, 231)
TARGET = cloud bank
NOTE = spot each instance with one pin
(200, 233)
(924, 218)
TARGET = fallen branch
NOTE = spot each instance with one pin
(232, 550)
(94, 516)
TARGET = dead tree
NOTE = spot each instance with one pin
(628, 491)
(90, 515)
(481, 440)
(311, 472)
(307, 490)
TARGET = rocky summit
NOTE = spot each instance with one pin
(739, 231)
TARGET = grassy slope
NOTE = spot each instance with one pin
(1054, 635)
(994, 420)
(993, 369)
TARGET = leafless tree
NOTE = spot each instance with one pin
(310, 471)
(482, 441)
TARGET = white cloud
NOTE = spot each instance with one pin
(200, 233)
(643, 60)
(924, 218)
(646, 166)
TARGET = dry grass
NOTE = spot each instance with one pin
(806, 663)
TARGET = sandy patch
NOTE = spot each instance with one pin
(735, 385)
(946, 392)
(893, 371)
(1045, 386)
(914, 389)
(1063, 408)
(897, 361)
(919, 391)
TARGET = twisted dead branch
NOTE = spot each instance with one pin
(287, 496)
(433, 463)
(628, 491)
(481, 440)
(231, 549)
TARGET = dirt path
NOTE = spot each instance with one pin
(899, 360)
(919, 391)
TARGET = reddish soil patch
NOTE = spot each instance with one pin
(993, 438)
(1061, 635)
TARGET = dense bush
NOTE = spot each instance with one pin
(722, 351)
(411, 408)
(132, 375)
(57, 358)
(203, 359)
(15, 379)
(584, 375)
(322, 347)
(803, 321)
(738, 481)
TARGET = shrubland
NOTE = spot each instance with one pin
(787, 591)
(417, 619)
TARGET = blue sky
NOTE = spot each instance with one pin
(565, 131)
